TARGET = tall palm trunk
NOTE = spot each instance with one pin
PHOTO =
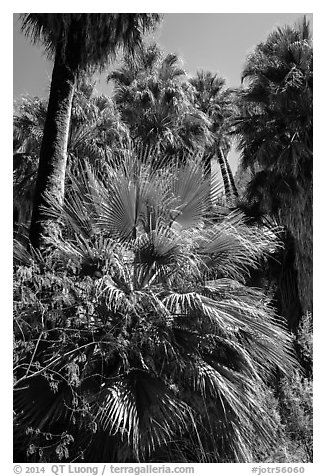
(231, 178)
(53, 154)
(296, 215)
(224, 172)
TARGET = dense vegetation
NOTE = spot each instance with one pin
(162, 314)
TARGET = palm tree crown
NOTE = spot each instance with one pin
(87, 39)
(157, 103)
(276, 123)
(217, 104)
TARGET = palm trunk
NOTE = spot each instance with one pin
(231, 178)
(296, 215)
(53, 154)
(224, 173)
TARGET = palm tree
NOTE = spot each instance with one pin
(95, 131)
(76, 41)
(274, 127)
(156, 101)
(216, 103)
(154, 344)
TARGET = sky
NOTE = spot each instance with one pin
(217, 42)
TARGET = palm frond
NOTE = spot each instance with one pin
(143, 411)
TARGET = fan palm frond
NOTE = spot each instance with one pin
(143, 411)
(179, 346)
